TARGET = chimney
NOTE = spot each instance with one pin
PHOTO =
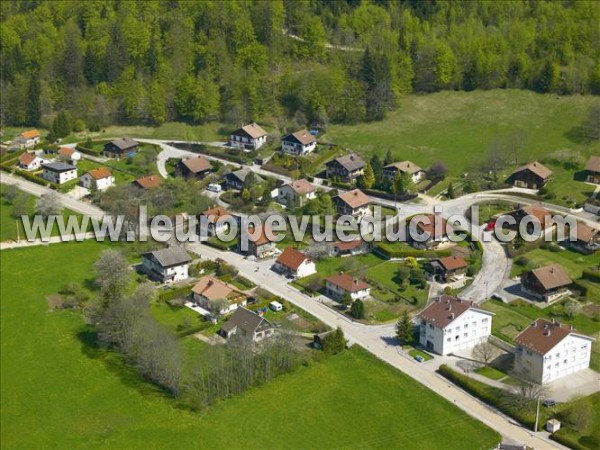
(534, 324)
(548, 332)
(355, 281)
(451, 316)
(572, 327)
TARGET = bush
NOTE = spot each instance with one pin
(169, 294)
(31, 177)
(522, 261)
(592, 275)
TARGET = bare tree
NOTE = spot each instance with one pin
(485, 352)
(112, 273)
(20, 205)
(10, 193)
(49, 204)
(217, 307)
(525, 392)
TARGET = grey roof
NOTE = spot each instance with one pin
(58, 166)
(350, 162)
(124, 143)
(244, 319)
(171, 256)
(243, 173)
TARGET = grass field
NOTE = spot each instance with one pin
(458, 127)
(573, 262)
(58, 392)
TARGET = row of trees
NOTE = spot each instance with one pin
(150, 62)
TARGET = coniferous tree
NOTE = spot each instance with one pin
(34, 108)
(404, 328)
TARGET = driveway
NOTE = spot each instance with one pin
(584, 383)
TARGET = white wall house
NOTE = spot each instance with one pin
(59, 172)
(353, 203)
(294, 264)
(547, 351)
(336, 286)
(416, 173)
(210, 290)
(30, 161)
(167, 265)
(298, 143)
(249, 137)
(450, 324)
(297, 193)
(28, 139)
(100, 179)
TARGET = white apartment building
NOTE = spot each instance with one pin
(547, 351)
(450, 324)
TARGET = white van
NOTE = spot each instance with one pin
(214, 187)
(275, 306)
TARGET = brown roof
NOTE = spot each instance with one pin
(246, 320)
(30, 134)
(27, 158)
(301, 187)
(66, 151)
(539, 212)
(552, 276)
(292, 258)
(215, 213)
(213, 289)
(350, 162)
(430, 226)
(303, 136)
(543, 335)
(197, 164)
(344, 246)
(99, 173)
(537, 168)
(585, 233)
(593, 164)
(453, 262)
(149, 182)
(347, 282)
(262, 239)
(445, 309)
(355, 198)
(404, 166)
(254, 130)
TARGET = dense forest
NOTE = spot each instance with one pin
(102, 62)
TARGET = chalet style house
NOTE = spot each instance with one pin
(59, 172)
(349, 248)
(249, 137)
(547, 283)
(450, 268)
(28, 139)
(120, 147)
(536, 214)
(299, 143)
(210, 290)
(100, 179)
(336, 286)
(416, 173)
(548, 350)
(213, 221)
(431, 232)
(587, 239)
(531, 176)
(450, 324)
(294, 264)
(167, 265)
(194, 167)
(29, 161)
(259, 244)
(592, 169)
(149, 182)
(248, 324)
(69, 155)
(353, 203)
(296, 193)
(235, 180)
(346, 168)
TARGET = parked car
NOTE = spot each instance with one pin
(549, 403)
(419, 358)
(214, 187)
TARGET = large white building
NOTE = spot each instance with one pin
(547, 350)
(450, 324)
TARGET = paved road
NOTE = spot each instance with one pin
(379, 340)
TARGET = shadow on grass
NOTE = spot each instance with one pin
(579, 134)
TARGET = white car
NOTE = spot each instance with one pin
(214, 187)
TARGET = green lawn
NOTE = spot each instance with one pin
(491, 373)
(58, 392)
(416, 352)
(573, 262)
(85, 165)
(458, 127)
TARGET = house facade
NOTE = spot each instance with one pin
(194, 167)
(547, 351)
(59, 172)
(28, 139)
(299, 143)
(353, 203)
(167, 265)
(587, 239)
(450, 324)
(450, 268)
(346, 168)
(210, 290)
(592, 169)
(236, 180)
(100, 179)
(247, 324)
(294, 264)
(120, 148)
(297, 193)
(213, 221)
(530, 176)
(336, 286)
(548, 283)
(69, 155)
(349, 248)
(416, 173)
(249, 137)
(29, 161)
(259, 244)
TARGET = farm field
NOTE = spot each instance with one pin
(86, 398)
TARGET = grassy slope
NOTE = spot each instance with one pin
(457, 127)
(56, 392)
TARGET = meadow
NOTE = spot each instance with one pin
(59, 391)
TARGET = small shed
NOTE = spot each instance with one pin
(552, 426)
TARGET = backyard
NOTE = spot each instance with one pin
(85, 397)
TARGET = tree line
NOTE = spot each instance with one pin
(107, 62)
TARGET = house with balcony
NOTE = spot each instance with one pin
(530, 176)
(293, 263)
(120, 148)
(299, 143)
(346, 168)
(297, 193)
(353, 203)
(211, 293)
(548, 283)
(167, 265)
(250, 137)
(391, 171)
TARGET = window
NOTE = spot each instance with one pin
(466, 335)
(474, 324)
(449, 340)
(456, 338)
(466, 326)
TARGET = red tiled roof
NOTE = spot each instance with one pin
(27, 158)
(292, 258)
(30, 134)
(301, 187)
(215, 213)
(254, 130)
(350, 245)
(543, 335)
(304, 137)
(552, 276)
(66, 151)
(197, 164)
(347, 282)
(430, 224)
(149, 182)
(100, 173)
(453, 262)
(405, 166)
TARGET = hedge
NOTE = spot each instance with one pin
(406, 253)
(31, 177)
(592, 275)
(172, 293)
(87, 151)
(217, 244)
(488, 394)
(203, 149)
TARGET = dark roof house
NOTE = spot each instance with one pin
(248, 324)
